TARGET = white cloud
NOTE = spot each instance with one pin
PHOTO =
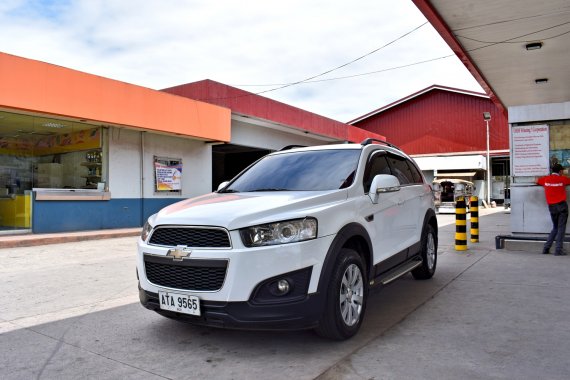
(160, 44)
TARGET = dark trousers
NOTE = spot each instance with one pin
(559, 216)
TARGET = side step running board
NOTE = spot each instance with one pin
(399, 271)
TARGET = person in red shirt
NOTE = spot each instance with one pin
(555, 192)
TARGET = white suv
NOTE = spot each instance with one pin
(295, 241)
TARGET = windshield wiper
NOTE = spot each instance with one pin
(228, 191)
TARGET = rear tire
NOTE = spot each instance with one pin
(346, 297)
(428, 254)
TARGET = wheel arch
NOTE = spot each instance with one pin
(427, 253)
(353, 236)
(430, 218)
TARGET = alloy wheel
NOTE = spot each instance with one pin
(351, 295)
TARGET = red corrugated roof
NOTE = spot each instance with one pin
(440, 120)
(249, 104)
(414, 95)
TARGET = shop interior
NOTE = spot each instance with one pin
(228, 160)
(44, 153)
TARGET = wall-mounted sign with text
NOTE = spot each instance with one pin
(530, 148)
(168, 174)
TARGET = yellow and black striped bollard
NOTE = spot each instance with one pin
(474, 210)
(460, 225)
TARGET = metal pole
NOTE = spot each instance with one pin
(474, 211)
(460, 224)
(488, 168)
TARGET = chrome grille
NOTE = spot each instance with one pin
(192, 237)
(187, 274)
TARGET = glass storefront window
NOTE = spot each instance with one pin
(48, 153)
(560, 144)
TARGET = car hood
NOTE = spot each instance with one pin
(238, 210)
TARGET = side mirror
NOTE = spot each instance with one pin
(383, 183)
(222, 185)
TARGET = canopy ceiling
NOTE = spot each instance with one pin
(490, 37)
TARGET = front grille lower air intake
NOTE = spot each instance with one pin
(187, 274)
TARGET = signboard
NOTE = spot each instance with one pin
(30, 144)
(168, 174)
(530, 147)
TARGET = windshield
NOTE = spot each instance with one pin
(299, 171)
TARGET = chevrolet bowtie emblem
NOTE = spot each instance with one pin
(178, 253)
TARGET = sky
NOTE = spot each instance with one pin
(370, 50)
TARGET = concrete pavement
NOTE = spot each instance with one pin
(499, 315)
(70, 310)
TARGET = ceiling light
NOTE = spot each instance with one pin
(53, 125)
(541, 80)
(533, 46)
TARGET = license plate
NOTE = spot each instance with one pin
(180, 303)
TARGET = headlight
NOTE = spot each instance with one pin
(289, 231)
(147, 228)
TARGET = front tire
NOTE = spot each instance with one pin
(429, 254)
(346, 297)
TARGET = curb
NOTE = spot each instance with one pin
(31, 240)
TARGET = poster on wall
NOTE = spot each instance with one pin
(168, 174)
(530, 148)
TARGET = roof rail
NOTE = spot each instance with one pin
(292, 147)
(371, 140)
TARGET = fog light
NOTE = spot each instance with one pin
(283, 287)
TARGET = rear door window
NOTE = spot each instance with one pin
(415, 172)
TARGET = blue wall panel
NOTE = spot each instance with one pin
(154, 205)
(65, 216)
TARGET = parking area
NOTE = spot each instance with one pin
(71, 310)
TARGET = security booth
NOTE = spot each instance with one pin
(540, 138)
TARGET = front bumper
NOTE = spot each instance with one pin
(298, 315)
(246, 268)
(245, 297)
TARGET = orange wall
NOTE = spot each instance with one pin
(35, 86)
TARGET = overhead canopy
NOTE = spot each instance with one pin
(454, 175)
(38, 87)
(471, 162)
(490, 37)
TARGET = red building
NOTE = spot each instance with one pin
(444, 129)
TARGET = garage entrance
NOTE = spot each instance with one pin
(230, 159)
